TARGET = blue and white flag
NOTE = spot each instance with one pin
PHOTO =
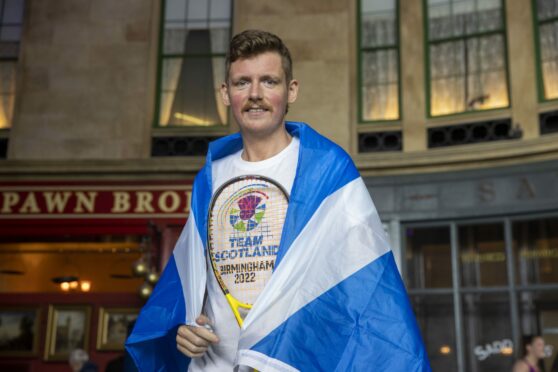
(335, 301)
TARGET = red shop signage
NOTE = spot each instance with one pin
(51, 200)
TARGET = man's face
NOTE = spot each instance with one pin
(258, 93)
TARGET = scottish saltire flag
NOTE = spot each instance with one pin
(335, 301)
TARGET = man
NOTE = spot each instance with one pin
(258, 88)
(335, 300)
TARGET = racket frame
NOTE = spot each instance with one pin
(233, 302)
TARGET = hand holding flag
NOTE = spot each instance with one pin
(193, 341)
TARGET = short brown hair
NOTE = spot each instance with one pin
(250, 43)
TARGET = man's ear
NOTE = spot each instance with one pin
(293, 91)
(225, 94)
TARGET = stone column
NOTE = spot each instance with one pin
(412, 59)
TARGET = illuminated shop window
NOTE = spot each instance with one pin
(536, 251)
(483, 255)
(100, 264)
(477, 286)
(11, 18)
(379, 60)
(467, 56)
(547, 27)
(428, 257)
(195, 35)
(487, 332)
(436, 320)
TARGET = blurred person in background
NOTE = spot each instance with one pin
(79, 361)
(533, 354)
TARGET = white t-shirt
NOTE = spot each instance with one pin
(281, 168)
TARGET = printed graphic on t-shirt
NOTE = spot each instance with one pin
(246, 223)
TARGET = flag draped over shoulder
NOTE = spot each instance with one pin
(335, 301)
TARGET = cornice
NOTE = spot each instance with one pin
(456, 158)
(152, 168)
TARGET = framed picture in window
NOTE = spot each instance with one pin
(113, 327)
(19, 331)
(67, 329)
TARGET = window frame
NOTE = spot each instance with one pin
(360, 53)
(538, 57)
(4, 132)
(513, 289)
(427, 43)
(161, 57)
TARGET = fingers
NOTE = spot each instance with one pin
(194, 341)
(190, 344)
(202, 320)
(205, 331)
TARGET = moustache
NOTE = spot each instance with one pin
(253, 105)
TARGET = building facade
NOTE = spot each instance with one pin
(448, 107)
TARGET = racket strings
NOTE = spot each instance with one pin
(245, 227)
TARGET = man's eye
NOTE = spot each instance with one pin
(270, 82)
(241, 83)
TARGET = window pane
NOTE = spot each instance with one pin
(454, 18)
(11, 17)
(482, 255)
(447, 74)
(535, 246)
(435, 316)
(10, 33)
(179, 41)
(468, 75)
(428, 257)
(538, 312)
(12, 11)
(378, 23)
(7, 92)
(549, 58)
(190, 92)
(547, 9)
(380, 99)
(488, 332)
(379, 58)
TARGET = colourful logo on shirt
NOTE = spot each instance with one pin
(247, 213)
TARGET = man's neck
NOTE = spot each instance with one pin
(258, 149)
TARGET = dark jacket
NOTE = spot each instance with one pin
(89, 367)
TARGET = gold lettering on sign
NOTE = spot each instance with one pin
(56, 201)
(159, 201)
(30, 204)
(539, 253)
(10, 199)
(419, 197)
(188, 201)
(144, 199)
(175, 201)
(85, 201)
(486, 192)
(121, 202)
(471, 257)
(526, 189)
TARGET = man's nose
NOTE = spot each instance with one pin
(255, 91)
